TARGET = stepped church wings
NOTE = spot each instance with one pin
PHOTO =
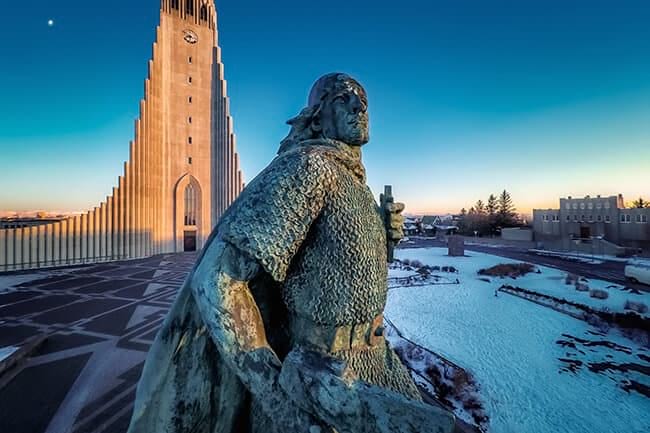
(183, 168)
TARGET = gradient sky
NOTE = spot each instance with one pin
(543, 98)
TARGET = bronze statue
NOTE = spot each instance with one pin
(279, 326)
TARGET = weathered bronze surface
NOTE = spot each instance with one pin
(279, 326)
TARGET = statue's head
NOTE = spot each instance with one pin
(341, 109)
(337, 109)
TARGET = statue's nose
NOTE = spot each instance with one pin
(356, 104)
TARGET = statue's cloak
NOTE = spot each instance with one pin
(185, 385)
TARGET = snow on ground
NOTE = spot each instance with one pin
(513, 348)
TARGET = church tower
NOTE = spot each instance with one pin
(183, 169)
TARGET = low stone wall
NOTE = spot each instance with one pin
(517, 234)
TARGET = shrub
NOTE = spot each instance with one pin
(512, 270)
(637, 307)
(571, 279)
(581, 287)
(598, 294)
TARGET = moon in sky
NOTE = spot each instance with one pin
(50, 23)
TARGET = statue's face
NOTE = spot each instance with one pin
(345, 115)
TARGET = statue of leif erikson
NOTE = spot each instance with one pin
(279, 327)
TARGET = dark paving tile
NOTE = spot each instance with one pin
(14, 335)
(59, 342)
(122, 271)
(27, 407)
(146, 275)
(129, 378)
(105, 415)
(36, 305)
(11, 297)
(96, 269)
(133, 292)
(80, 310)
(72, 283)
(122, 423)
(149, 336)
(106, 286)
(113, 323)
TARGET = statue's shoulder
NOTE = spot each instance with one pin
(316, 160)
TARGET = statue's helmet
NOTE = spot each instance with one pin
(330, 84)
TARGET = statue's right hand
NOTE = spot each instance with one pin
(320, 384)
(287, 416)
(328, 389)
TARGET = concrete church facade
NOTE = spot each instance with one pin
(183, 168)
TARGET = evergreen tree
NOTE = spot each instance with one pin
(491, 209)
(505, 210)
(640, 203)
(479, 207)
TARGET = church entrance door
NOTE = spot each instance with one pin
(189, 241)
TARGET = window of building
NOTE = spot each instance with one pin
(189, 99)
(189, 7)
(189, 59)
(204, 13)
(591, 218)
(599, 205)
(606, 205)
(568, 206)
(189, 80)
(582, 205)
(575, 205)
(626, 218)
(189, 140)
(556, 218)
(175, 4)
(189, 160)
(622, 218)
(590, 205)
(575, 217)
(644, 219)
(638, 218)
(191, 205)
(189, 119)
(600, 218)
(568, 217)
(607, 219)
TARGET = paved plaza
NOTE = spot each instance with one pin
(99, 322)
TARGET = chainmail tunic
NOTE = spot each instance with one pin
(312, 222)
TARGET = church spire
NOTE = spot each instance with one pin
(200, 12)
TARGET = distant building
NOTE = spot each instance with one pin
(594, 217)
(439, 224)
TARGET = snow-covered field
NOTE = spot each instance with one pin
(533, 364)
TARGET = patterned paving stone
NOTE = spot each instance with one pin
(100, 321)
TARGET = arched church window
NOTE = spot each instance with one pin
(204, 13)
(191, 205)
(189, 7)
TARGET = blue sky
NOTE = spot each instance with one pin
(545, 99)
